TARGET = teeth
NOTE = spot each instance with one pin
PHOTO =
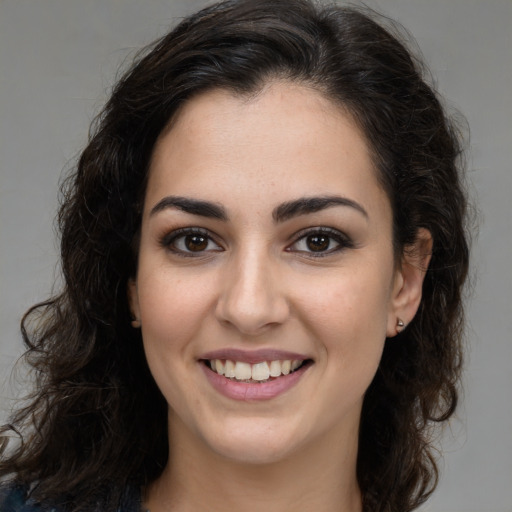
(257, 372)
(275, 368)
(260, 371)
(219, 366)
(229, 369)
(295, 364)
(242, 371)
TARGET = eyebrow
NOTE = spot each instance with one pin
(306, 205)
(193, 206)
(281, 213)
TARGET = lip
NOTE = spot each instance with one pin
(253, 356)
(249, 391)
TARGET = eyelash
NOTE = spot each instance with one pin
(169, 241)
(342, 241)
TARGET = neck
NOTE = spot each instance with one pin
(320, 478)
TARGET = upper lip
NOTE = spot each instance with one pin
(253, 356)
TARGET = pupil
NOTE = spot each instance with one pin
(318, 242)
(196, 242)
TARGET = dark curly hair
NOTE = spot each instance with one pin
(96, 420)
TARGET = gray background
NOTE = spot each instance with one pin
(57, 61)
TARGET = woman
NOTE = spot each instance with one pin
(263, 249)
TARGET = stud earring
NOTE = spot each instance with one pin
(399, 325)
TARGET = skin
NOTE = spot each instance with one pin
(257, 283)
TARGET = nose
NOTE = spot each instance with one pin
(252, 297)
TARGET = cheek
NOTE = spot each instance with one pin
(171, 310)
(347, 316)
(171, 314)
(349, 301)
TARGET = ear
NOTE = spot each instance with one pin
(408, 282)
(133, 302)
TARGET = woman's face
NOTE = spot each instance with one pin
(266, 245)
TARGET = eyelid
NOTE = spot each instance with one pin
(342, 239)
(167, 240)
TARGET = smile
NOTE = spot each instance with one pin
(254, 375)
(258, 372)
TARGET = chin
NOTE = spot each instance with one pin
(254, 444)
(254, 454)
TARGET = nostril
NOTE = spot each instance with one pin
(251, 300)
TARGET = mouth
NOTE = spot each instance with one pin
(253, 375)
(256, 373)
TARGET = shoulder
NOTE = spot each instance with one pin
(13, 498)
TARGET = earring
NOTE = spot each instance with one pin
(399, 325)
(136, 323)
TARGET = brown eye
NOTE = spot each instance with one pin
(190, 242)
(196, 243)
(321, 241)
(318, 243)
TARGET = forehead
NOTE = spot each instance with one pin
(286, 140)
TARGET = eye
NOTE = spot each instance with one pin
(190, 242)
(320, 242)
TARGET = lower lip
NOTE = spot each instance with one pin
(248, 391)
